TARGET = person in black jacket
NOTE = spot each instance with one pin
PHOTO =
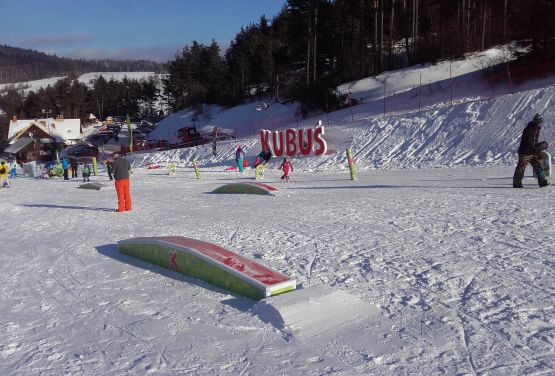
(74, 166)
(109, 168)
(528, 153)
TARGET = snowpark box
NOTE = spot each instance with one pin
(253, 188)
(210, 263)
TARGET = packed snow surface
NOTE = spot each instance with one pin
(430, 263)
(454, 267)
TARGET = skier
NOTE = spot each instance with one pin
(239, 156)
(121, 168)
(13, 170)
(260, 163)
(286, 166)
(528, 153)
(4, 182)
(263, 157)
(86, 173)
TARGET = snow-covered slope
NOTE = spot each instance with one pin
(475, 126)
(480, 132)
(84, 78)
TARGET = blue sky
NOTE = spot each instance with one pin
(126, 29)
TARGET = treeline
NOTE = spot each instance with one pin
(20, 65)
(74, 99)
(311, 46)
(303, 54)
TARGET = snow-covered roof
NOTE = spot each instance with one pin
(60, 129)
(19, 144)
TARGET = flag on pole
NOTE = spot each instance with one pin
(130, 134)
(195, 166)
(352, 168)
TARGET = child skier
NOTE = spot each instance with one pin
(4, 182)
(86, 173)
(239, 156)
(13, 170)
(286, 166)
(259, 164)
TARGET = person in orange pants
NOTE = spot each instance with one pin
(120, 171)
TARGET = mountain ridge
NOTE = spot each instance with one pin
(20, 64)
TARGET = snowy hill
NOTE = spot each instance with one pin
(84, 78)
(471, 131)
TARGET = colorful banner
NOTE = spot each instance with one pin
(95, 166)
(352, 168)
(291, 141)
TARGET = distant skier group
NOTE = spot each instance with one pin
(261, 161)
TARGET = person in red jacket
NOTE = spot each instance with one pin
(287, 167)
(120, 171)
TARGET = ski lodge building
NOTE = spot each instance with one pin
(38, 140)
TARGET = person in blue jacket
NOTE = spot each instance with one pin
(65, 165)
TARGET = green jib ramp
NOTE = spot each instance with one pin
(210, 263)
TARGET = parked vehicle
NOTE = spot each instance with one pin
(83, 150)
(115, 128)
(138, 136)
(102, 137)
(190, 136)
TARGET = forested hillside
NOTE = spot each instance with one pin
(311, 46)
(20, 65)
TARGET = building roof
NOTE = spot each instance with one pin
(59, 129)
(18, 145)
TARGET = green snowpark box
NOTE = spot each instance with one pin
(210, 263)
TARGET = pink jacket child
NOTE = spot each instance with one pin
(286, 166)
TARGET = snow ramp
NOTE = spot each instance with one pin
(92, 185)
(313, 311)
(246, 188)
(210, 263)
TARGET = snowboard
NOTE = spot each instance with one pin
(545, 159)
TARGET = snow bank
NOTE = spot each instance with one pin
(313, 310)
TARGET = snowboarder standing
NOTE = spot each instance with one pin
(528, 153)
(239, 156)
(287, 167)
(121, 168)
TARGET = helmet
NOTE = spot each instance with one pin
(537, 119)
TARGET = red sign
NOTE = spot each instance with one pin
(291, 141)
